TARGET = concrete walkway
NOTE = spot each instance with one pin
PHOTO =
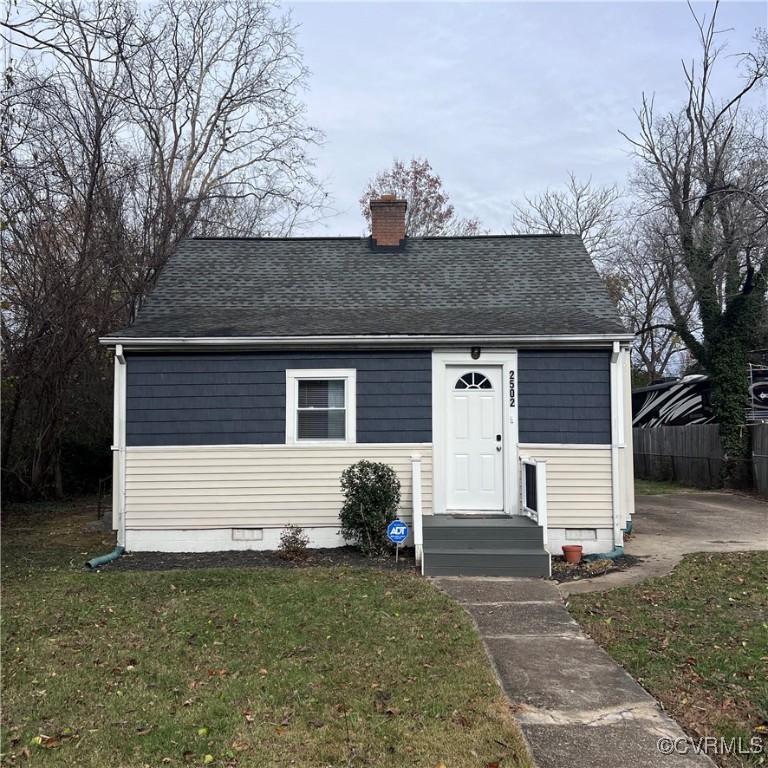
(576, 705)
(668, 527)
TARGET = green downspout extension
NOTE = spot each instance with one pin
(613, 555)
(97, 561)
(618, 552)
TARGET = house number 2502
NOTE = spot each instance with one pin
(511, 389)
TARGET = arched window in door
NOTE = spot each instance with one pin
(473, 380)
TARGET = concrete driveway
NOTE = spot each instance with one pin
(667, 527)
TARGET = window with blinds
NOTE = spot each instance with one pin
(320, 406)
(321, 411)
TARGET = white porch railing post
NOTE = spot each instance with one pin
(539, 514)
(418, 533)
(523, 491)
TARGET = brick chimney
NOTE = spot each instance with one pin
(388, 222)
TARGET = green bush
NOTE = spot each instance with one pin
(371, 498)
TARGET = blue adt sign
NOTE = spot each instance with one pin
(397, 531)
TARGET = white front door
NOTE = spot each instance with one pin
(474, 439)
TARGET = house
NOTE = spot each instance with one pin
(491, 372)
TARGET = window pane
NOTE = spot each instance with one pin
(336, 393)
(321, 425)
(321, 394)
(473, 380)
(313, 394)
(336, 422)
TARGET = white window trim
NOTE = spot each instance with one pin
(294, 375)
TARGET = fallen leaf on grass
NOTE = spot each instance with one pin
(49, 742)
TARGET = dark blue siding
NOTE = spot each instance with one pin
(564, 396)
(221, 399)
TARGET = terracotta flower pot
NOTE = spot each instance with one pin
(572, 553)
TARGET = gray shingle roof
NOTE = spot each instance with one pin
(479, 286)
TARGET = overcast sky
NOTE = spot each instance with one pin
(503, 98)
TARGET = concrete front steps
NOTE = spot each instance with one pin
(483, 546)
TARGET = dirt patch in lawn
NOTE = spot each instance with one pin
(562, 571)
(339, 556)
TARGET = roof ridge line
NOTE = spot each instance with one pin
(353, 238)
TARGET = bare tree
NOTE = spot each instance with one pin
(623, 252)
(61, 208)
(213, 91)
(429, 211)
(640, 265)
(581, 208)
(706, 168)
(124, 131)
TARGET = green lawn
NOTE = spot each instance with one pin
(307, 667)
(660, 487)
(698, 640)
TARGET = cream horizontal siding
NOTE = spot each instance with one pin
(578, 484)
(255, 486)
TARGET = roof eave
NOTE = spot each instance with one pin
(411, 340)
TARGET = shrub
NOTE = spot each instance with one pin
(293, 543)
(371, 498)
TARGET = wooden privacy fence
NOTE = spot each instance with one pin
(691, 455)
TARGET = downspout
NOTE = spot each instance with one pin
(118, 484)
(628, 494)
(617, 439)
(418, 529)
